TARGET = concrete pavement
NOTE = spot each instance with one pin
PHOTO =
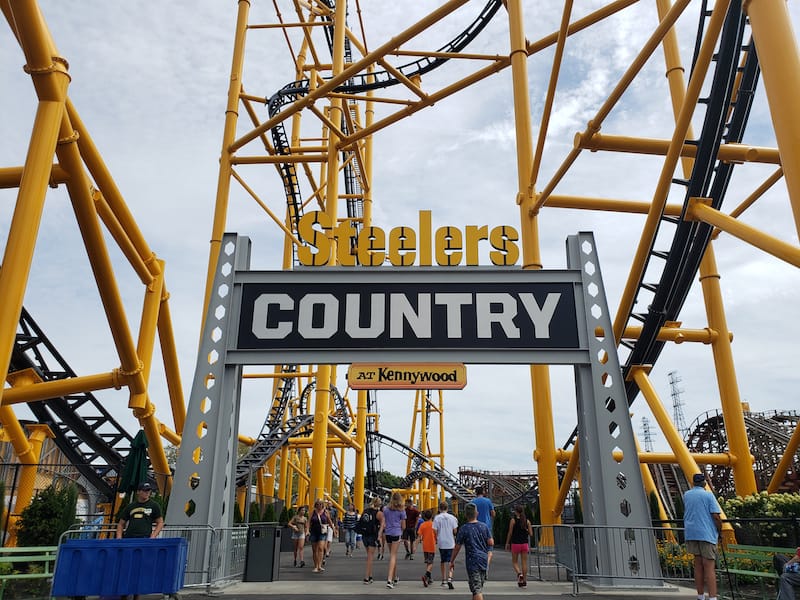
(343, 577)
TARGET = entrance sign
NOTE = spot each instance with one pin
(339, 315)
(407, 376)
(423, 315)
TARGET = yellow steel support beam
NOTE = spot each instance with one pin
(594, 125)
(320, 458)
(785, 462)
(10, 177)
(50, 79)
(779, 59)
(700, 211)
(26, 389)
(228, 135)
(675, 334)
(732, 413)
(663, 458)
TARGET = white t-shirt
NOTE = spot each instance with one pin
(444, 524)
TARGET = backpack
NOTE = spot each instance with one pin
(367, 524)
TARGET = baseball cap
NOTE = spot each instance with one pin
(145, 487)
(698, 478)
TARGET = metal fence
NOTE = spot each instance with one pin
(214, 556)
(564, 551)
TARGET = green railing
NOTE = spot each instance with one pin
(44, 556)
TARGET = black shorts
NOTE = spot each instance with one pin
(409, 533)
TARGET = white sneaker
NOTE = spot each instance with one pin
(389, 585)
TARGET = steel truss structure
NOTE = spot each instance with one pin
(300, 135)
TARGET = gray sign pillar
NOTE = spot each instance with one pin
(203, 493)
(618, 544)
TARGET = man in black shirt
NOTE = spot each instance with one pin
(142, 517)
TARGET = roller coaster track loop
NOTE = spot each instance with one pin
(725, 119)
(295, 90)
(382, 79)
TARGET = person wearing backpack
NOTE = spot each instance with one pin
(370, 526)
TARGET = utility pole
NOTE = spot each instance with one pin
(647, 435)
(677, 404)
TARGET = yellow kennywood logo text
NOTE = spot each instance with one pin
(407, 376)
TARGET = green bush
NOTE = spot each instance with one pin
(269, 513)
(771, 509)
(50, 513)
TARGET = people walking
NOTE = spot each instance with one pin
(332, 529)
(394, 516)
(318, 524)
(486, 514)
(517, 541)
(476, 539)
(349, 525)
(427, 538)
(410, 531)
(298, 526)
(445, 525)
(370, 525)
(702, 525)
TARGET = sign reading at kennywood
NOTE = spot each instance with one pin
(407, 376)
(342, 315)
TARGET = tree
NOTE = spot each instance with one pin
(269, 513)
(388, 480)
(50, 513)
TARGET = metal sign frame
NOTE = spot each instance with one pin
(613, 492)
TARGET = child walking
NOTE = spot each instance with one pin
(427, 536)
(477, 540)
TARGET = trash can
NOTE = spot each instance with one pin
(263, 554)
(120, 567)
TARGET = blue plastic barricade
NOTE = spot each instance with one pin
(120, 567)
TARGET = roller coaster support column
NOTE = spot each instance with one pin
(228, 136)
(531, 259)
(322, 400)
(779, 57)
(360, 467)
(361, 454)
(685, 460)
(786, 462)
(50, 79)
(743, 475)
(682, 454)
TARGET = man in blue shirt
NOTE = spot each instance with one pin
(477, 542)
(702, 524)
(485, 511)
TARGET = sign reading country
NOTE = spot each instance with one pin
(408, 315)
(407, 376)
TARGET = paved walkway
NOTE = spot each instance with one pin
(343, 577)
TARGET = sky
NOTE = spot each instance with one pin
(150, 82)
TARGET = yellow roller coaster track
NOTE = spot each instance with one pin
(299, 135)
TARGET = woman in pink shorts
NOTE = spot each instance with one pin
(517, 540)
